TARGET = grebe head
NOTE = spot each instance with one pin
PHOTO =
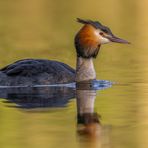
(90, 37)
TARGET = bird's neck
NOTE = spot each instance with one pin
(85, 70)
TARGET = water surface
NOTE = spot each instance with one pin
(45, 29)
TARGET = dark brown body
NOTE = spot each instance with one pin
(36, 72)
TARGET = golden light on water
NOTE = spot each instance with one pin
(46, 29)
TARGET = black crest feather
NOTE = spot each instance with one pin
(95, 24)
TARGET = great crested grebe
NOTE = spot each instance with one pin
(43, 72)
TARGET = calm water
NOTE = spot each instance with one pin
(45, 29)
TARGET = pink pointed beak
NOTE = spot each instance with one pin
(117, 40)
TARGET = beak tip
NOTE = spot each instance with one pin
(128, 42)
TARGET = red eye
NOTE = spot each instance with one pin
(101, 33)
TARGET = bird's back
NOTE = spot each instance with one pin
(36, 72)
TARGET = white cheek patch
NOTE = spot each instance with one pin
(104, 40)
(101, 38)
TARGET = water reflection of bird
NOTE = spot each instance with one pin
(44, 96)
(37, 97)
(36, 71)
(88, 121)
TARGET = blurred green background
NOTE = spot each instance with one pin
(46, 29)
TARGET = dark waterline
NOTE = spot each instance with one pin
(57, 95)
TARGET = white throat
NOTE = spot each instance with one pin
(85, 70)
